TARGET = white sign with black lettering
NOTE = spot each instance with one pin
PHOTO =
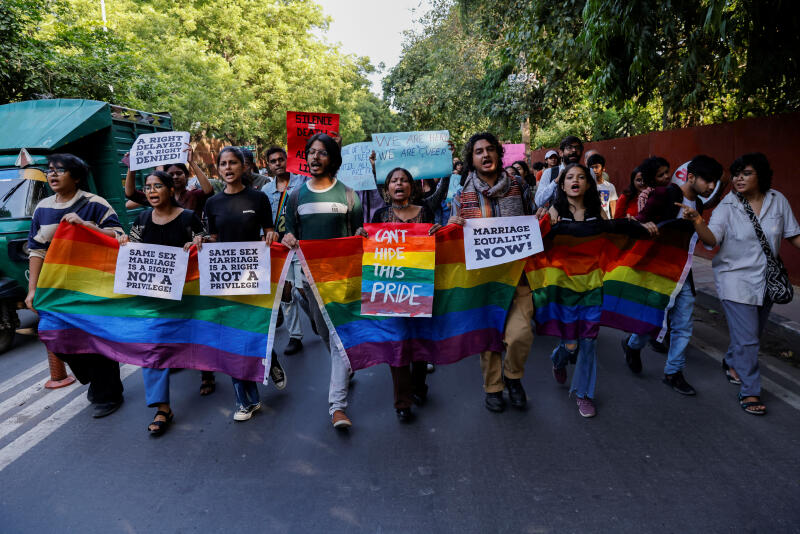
(159, 148)
(241, 268)
(496, 240)
(151, 271)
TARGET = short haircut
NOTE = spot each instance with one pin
(538, 166)
(76, 167)
(649, 169)
(467, 154)
(570, 140)
(331, 147)
(760, 164)
(181, 166)
(250, 158)
(705, 167)
(594, 159)
(274, 149)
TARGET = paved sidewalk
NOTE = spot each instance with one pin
(786, 316)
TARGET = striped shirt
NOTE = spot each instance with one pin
(323, 214)
(49, 213)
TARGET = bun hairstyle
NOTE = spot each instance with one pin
(166, 181)
(238, 154)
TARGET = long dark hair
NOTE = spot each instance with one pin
(331, 147)
(591, 198)
(466, 156)
(631, 191)
(238, 154)
(649, 169)
(167, 181)
(416, 188)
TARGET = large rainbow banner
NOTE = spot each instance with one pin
(608, 273)
(469, 307)
(80, 313)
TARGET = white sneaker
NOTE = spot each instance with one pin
(243, 414)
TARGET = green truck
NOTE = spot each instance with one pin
(98, 132)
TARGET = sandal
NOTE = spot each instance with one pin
(161, 426)
(732, 378)
(207, 387)
(752, 407)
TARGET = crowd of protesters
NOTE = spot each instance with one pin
(186, 209)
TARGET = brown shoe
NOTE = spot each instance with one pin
(340, 420)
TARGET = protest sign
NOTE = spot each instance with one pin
(397, 270)
(151, 271)
(160, 148)
(236, 268)
(512, 153)
(455, 185)
(300, 127)
(496, 240)
(423, 154)
(356, 169)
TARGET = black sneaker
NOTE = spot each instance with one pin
(495, 402)
(679, 384)
(632, 356)
(276, 372)
(293, 347)
(516, 393)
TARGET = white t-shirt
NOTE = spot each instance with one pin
(607, 193)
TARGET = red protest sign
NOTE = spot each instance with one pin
(300, 127)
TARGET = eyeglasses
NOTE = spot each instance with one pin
(320, 153)
(153, 187)
(60, 171)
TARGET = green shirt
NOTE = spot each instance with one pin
(323, 214)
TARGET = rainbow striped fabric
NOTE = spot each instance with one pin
(607, 273)
(469, 307)
(80, 313)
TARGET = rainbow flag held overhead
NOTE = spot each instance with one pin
(608, 273)
(80, 313)
(469, 307)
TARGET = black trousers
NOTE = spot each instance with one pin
(409, 380)
(99, 372)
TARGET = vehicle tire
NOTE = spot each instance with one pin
(9, 322)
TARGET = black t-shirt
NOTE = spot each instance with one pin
(175, 233)
(238, 217)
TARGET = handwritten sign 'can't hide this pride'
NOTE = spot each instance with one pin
(236, 268)
(397, 270)
(423, 154)
(160, 148)
(497, 240)
(151, 271)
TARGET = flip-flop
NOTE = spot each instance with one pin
(161, 425)
(750, 406)
(730, 376)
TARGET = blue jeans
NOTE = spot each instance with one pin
(584, 379)
(680, 324)
(246, 392)
(156, 386)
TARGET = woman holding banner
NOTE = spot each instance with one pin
(65, 174)
(167, 224)
(324, 208)
(403, 195)
(240, 213)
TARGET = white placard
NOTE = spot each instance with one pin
(151, 271)
(159, 148)
(496, 240)
(237, 268)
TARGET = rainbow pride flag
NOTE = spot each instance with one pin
(80, 313)
(608, 273)
(469, 307)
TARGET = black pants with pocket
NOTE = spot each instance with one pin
(99, 372)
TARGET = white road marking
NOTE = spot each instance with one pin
(15, 380)
(789, 397)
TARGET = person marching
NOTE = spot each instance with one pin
(240, 213)
(65, 174)
(489, 191)
(405, 205)
(167, 224)
(324, 208)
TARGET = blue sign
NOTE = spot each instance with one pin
(423, 154)
(455, 185)
(356, 169)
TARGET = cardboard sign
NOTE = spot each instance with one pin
(356, 169)
(496, 240)
(423, 154)
(398, 270)
(455, 185)
(300, 127)
(151, 271)
(512, 153)
(236, 268)
(161, 148)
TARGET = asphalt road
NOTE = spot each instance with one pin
(651, 461)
